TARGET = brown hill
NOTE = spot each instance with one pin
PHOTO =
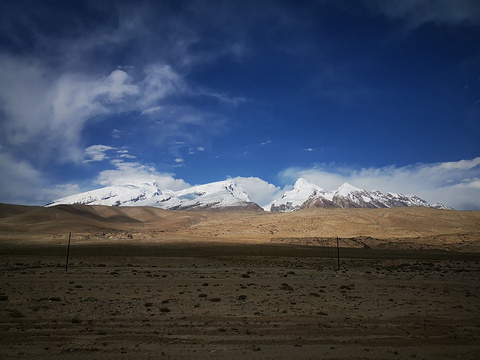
(7, 210)
(81, 218)
(357, 227)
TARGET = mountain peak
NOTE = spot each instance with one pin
(301, 182)
(304, 185)
(306, 195)
(293, 199)
(346, 189)
(213, 195)
(227, 193)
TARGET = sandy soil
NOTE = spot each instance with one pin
(238, 307)
(146, 283)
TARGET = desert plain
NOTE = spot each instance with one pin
(146, 283)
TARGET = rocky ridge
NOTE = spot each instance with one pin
(306, 195)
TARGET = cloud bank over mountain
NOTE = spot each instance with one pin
(456, 184)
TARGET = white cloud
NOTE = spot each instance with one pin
(135, 172)
(116, 134)
(19, 180)
(418, 12)
(455, 184)
(309, 149)
(160, 81)
(97, 152)
(21, 183)
(151, 110)
(225, 98)
(460, 165)
(46, 109)
(128, 156)
(76, 99)
(266, 142)
(59, 191)
(259, 191)
(186, 123)
(179, 160)
(200, 148)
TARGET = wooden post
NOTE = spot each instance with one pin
(68, 251)
(338, 255)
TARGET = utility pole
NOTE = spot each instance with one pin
(338, 256)
(68, 251)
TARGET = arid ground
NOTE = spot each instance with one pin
(146, 283)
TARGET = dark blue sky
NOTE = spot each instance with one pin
(383, 94)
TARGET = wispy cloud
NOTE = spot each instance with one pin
(134, 172)
(97, 153)
(116, 133)
(456, 184)
(151, 110)
(127, 156)
(21, 183)
(223, 97)
(266, 142)
(418, 12)
(19, 179)
(46, 110)
(186, 124)
(160, 81)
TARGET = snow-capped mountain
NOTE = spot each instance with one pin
(213, 195)
(126, 195)
(307, 195)
(294, 199)
(224, 194)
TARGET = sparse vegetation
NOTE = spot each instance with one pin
(286, 287)
(16, 314)
(164, 301)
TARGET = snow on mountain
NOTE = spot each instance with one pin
(307, 195)
(214, 195)
(440, 206)
(347, 189)
(347, 196)
(125, 195)
(227, 193)
(292, 200)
